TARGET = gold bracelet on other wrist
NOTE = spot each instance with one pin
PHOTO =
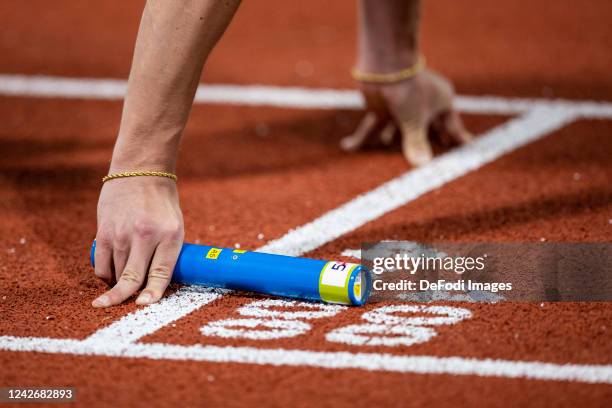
(137, 174)
(391, 77)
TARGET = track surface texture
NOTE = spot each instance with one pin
(251, 172)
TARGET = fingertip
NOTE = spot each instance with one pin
(467, 137)
(388, 133)
(369, 123)
(101, 302)
(348, 144)
(456, 129)
(146, 298)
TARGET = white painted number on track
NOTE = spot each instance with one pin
(270, 319)
(249, 328)
(386, 328)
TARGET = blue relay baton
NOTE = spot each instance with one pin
(279, 275)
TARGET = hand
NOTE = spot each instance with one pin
(411, 106)
(140, 235)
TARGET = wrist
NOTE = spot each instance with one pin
(386, 61)
(132, 154)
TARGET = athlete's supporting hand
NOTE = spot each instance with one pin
(412, 107)
(388, 43)
(139, 238)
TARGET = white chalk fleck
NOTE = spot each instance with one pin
(237, 245)
(260, 236)
(22, 241)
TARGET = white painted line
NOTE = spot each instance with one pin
(508, 106)
(149, 319)
(352, 253)
(59, 87)
(336, 360)
(414, 183)
(410, 248)
(283, 97)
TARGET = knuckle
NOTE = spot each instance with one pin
(121, 241)
(160, 272)
(175, 233)
(131, 276)
(121, 235)
(104, 239)
(145, 228)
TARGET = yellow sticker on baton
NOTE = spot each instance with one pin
(213, 253)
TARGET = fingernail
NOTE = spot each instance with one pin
(144, 299)
(102, 301)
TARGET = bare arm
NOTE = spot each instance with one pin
(388, 35)
(140, 224)
(174, 39)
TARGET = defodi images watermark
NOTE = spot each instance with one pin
(489, 272)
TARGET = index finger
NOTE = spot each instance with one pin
(102, 261)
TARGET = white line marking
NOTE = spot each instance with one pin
(337, 360)
(352, 253)
(508, 106)
(148, 320)
(284, 97)
(414, 183)
(410, 248)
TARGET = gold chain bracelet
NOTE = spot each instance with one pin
(390, 77)
(137, 174)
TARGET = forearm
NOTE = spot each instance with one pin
(387, 34)
(174, 40)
